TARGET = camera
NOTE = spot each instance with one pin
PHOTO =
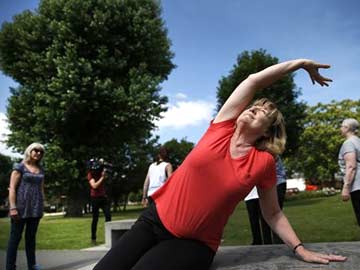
(99, 165)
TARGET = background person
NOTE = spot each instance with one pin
(349, 162)
(158, 173)
(260, 230)
(183, 225)
(26, 199)
(96, 177)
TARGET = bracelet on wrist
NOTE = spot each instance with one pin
(13, 208)
(298, 245)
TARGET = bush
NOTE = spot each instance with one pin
(135, 196)
(325, 192)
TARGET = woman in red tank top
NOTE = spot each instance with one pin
(182, 227)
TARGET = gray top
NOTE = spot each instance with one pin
(29, 197)
(352, 144)
(280, 171)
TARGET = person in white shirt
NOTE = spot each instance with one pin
(158, 173)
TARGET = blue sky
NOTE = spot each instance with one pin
(208, 35)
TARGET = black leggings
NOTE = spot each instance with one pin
(148, 245)
(355, 199)
(97, 204)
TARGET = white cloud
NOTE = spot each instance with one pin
(186, 113)
(4, 132)
(180, 96)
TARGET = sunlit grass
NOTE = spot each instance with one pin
(325, 219)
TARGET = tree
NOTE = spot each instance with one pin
(131, 170)
(5, 170)
(317, 156)
(89, 74)
(283, 92)
(178, 150)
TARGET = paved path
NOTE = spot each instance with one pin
(275, 257)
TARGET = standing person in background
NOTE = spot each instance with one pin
(349, 162)
(158, 173)
(281, 192)
(26, 198)
(260, 230)
(96, 177)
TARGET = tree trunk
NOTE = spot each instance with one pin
(74, 206)
(125, 201)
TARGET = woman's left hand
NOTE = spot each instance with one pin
(316, 257)
(313, 69)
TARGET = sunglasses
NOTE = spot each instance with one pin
(38, 151)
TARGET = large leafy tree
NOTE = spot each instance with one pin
(5, 170)
(89, 74)
(283, 92)
(317, 156)
(178, 150)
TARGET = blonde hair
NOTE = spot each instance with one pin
(31, 147)
(275, 142)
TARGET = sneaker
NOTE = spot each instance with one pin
(36, 267)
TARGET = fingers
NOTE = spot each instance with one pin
(333, 258)
(337, 258)
(313, 70)
(323, 258)
(321, 80)
(318, 65)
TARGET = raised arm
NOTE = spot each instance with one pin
(245, 91)
(95, 184)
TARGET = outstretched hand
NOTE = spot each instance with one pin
(313, 69)
(316, 257)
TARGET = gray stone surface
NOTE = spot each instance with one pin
(271, 257)
(57, 259)
(114, 230)
(279, 257)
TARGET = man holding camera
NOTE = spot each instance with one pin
(96, 177)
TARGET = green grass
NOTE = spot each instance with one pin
(66, 233)
(325, 219)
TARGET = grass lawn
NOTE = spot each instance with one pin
(325, 219)
(66, 233)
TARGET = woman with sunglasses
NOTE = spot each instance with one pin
(183, 225)
(26, 199)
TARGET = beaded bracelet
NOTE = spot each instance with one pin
(298, 245)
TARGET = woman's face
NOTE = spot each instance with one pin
(36, 154)
(256, 118)
(344, 129)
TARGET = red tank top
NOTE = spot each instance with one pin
(199, 197)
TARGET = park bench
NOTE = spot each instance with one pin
(115, 229)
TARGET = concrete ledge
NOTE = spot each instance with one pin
(270, 257)
(115, 229)
(280, 257)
